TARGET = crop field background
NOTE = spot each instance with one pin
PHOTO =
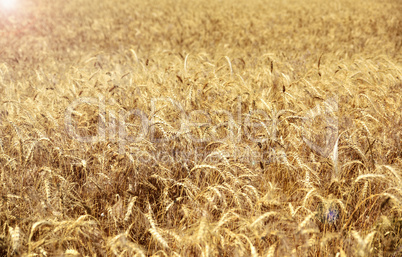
(201, 128)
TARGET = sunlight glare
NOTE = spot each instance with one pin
(8, 4)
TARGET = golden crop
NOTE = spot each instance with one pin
(201, 128)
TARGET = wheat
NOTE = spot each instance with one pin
(365, 176)
(158, 237)
(129, 209)
(265, 215)
(305, 221)
(271, 250)
(201, 229)
(185, 129)
(48, 190)
(15, 235)
(71, 252)
(253, 250)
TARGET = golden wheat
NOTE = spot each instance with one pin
(201, 128)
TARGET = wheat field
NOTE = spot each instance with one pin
(201, 128)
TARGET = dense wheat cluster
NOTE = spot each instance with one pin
(201, 128)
